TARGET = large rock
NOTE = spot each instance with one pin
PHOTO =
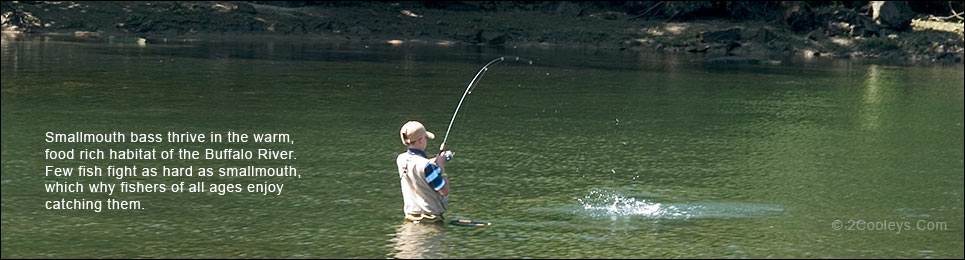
(569, 9)
(760, 35)
(892, 14)
(471, 35)
(818, 34)
(686, 9)
(844, 22)
(245, 8)
(729, 35)
(839, 28)
(799, 17)
(494, 38)
(864, 26)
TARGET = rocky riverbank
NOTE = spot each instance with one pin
(756, 32)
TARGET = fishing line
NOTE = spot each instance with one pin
(469, 88)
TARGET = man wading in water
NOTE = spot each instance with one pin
(425, 188)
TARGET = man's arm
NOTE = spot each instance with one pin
(434, 175)
(445, 188)
(441, 161)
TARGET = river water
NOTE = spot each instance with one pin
(580, 154)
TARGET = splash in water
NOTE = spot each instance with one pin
(611, 203)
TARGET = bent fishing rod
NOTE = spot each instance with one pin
(469, 88)
(448, 154)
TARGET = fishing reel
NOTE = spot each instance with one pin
(447, 154)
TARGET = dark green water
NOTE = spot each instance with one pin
(579, 155)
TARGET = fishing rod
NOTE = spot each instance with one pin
(448, 154)
(472, 85)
